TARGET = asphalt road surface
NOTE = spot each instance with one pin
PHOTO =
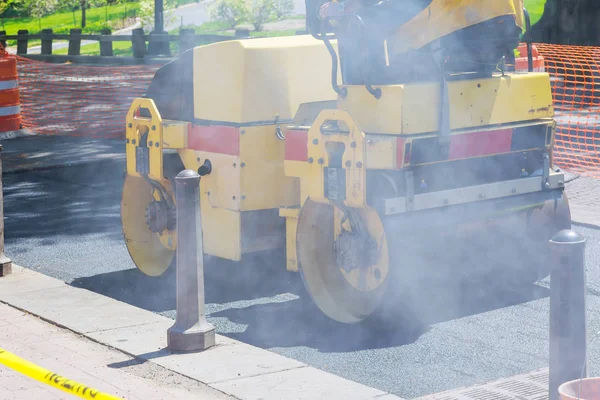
(66, 223)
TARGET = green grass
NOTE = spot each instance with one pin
(119, 49)
(96, 19)
(289, 32)
(535, 9)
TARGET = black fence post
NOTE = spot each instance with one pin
(106, 48)
(75, 42)
(242, 33)
(191, 331)
(3, 41)
(22, 42)
(568, 322)
(46, 42)
(138, 43)
(5, 263)
(158, 44)
(186, 39)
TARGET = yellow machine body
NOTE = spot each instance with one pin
(255, 94)
(289, 163)
(444, 17)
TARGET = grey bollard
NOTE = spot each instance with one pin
(5, 263)
(191, 331)
(568, 322)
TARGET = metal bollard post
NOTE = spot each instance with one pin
(5, 263)
(191, 331)
(568, 322)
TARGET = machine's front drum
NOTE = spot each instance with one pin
(147, 251)
(342, 296)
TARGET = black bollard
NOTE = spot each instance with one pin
(191, 331)
(5, 263)
(568, 322)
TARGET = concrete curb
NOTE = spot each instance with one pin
(585, 225)
(231, 367)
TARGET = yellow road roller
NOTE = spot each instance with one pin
(383, 141)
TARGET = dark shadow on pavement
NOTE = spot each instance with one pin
(300, 323)
(66, 201)
(224, 282)
(141, 358)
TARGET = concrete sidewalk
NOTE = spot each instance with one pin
(138, 338)
(86, 362)
(584, 198)
(120, 350)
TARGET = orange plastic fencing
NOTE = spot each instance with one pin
(92, 101)
(79, 100)
(575, 75)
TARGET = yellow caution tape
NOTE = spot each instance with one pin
(50, 378)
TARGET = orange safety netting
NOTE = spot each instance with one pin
(79, 100)
(88, 100)
(575, 79)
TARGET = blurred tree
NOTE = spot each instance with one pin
(69, 5)
(83, 4)
(3, 7)
(574, 22)
(233, 12)
(283, 8)
(259, 12)
(146, 13)
(39, 8)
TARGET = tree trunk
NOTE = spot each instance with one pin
(572, 22)
(83, 7)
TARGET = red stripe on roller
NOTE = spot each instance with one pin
(399, 152)
(214, 139)
(480, 144)
(296, 145)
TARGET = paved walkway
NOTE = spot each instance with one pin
(584, 198)
(141, 366)
(79, 359)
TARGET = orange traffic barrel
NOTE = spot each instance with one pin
(580, 389)
(10, 101)
(522, 61)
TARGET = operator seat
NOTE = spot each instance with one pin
(362, 48)
(401, 36)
